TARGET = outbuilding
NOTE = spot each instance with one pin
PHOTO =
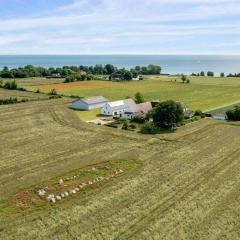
(117, 107)
(89, 103)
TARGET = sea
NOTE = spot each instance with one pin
(171, 64)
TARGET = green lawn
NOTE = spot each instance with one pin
(88, 115)
(203, 93)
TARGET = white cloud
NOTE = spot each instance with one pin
(118, 23)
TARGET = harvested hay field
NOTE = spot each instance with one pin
(186, 185)
(5, 94)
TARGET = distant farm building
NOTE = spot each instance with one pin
(116, 76)
(135, 77)
(138, 110)
(219, 116)
(117, 107)
(186, 109)
(89, 103)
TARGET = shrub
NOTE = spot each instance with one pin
(120, 120)
(125, 126)
(149, 128)
(111, 125)
(208, 115)
(198, 113)
(139, 98)
(138, 119)
(10, 85)
(234, 115)
(132, 126)
(53, 92)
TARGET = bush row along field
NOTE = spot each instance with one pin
(203, 93)
(5, 94)
(186, 185)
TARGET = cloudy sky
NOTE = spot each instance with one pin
(119, 26)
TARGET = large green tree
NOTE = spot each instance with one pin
(167, 114)
(139, 98)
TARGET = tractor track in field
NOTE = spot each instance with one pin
(181, 194)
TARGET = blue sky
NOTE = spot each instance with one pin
(119, 27)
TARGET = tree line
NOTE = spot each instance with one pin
(67, 71)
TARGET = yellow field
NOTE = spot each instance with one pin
(186, 185)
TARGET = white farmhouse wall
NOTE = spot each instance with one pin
(128, 115)
(108, 111)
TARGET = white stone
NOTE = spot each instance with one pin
(62, 195)
(73, 191)
(58, 198)
(60, 181)
(41, 192)
(77, 189)
(66, 194)
(50, 197)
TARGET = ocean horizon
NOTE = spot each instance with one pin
(171, 64)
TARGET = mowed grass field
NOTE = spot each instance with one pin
(186, 185)
(203, 93)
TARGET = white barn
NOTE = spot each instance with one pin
(89, 103)
(117, 108)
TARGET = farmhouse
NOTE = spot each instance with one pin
(136, 110)
(186, 109)
(116, 76)
(117, 108)
(89, 103)
(135, 77)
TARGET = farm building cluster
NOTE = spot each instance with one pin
(126, 108)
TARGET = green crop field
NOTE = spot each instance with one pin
(181, 185)
(203, 93)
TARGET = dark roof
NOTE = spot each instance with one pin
(94, 100)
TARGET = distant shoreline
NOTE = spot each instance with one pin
(171, 64)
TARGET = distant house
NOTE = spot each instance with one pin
(105, 77)
(116, 76)
(135, 77)
(117, 107)
(219, 116)
(186, 110)
(136, 110)
(89, 103)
